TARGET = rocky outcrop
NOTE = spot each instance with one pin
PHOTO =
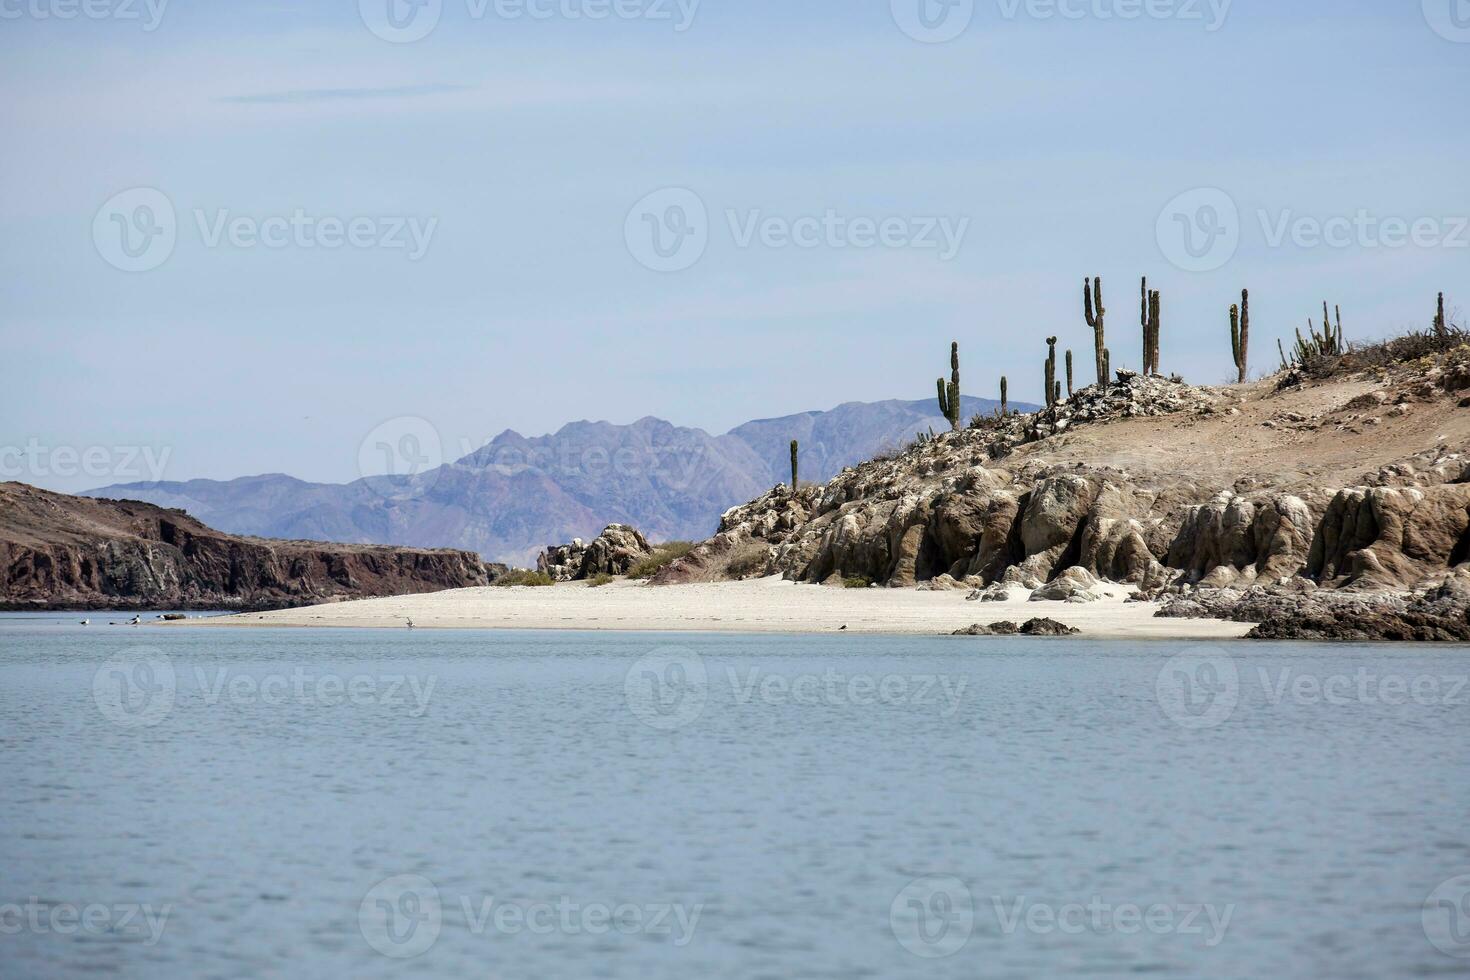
(613, 552)
(1391, 537)
(62, 552)
(562, 562)
(1034, 627)
(972, 509)
(1301, 612)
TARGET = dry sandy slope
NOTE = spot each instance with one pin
(1288, 455)
(764, 606)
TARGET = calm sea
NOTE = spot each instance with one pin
(187, 802)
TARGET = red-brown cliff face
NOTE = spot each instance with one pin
(58, 551)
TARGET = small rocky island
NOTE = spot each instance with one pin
(64, 552)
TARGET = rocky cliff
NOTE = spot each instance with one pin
(1354, 482)
(58, 551)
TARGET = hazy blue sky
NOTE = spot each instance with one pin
(1054, 135)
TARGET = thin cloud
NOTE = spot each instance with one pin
(309, 95)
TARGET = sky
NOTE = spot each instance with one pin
(249, 236)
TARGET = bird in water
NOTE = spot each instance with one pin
(410, 624)
(137, 621)
(86, 622)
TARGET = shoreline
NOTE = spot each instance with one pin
(762, 607)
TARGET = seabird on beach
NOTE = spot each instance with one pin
(137, 620)
(410, 623)
(86, 622)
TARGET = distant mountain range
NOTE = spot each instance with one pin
(512, 497)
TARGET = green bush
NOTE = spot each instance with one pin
(600, 579)
(521, 576)
(662, 554)
(856, 582)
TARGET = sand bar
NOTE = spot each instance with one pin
(764, 606)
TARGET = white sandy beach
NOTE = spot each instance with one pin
(764, 606)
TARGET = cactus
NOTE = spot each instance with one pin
(794, 447)
(1240, 333)
(1004, 396)
(1056, 394)
(1051, 372)
(1439, 326)
(1092, 306)
(1069, 375)
(1107, 366)
(1148, 318)
(1329, 342)
(949, 396)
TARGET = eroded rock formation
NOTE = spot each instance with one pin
(58, 551)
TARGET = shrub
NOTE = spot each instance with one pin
(600, 579)
(664, 553)
(748, 563)
(521, 576)
(855, 582)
